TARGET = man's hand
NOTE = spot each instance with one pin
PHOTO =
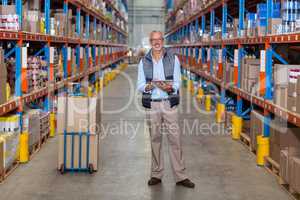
(149, 87)
(165, 86)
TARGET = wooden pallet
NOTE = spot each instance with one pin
(246, 141)
(9, 171)
(294, 194)
(272, 166)
(35, 149)
(44, 138)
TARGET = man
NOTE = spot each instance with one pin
(159, 81)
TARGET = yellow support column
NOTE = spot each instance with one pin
(24, 148)
(220, 114)
(236, 127)
(52, 125)
(200, 94)
(90, 91)
(105, 83)
(207, 103)
(100, 84)
(97, 86)
(263, 149)
(191, 86)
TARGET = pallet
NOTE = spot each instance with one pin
(44, 139)
(294, 194)
(272, 166)
(9, 171)
(35, 149)
(246, 141)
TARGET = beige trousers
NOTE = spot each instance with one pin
(161, 117)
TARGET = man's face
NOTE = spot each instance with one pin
(157, 41)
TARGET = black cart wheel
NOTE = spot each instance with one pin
(91, 168)
(62, 169)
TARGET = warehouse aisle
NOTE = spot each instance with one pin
(221, 168)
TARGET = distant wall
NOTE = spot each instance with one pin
(144, 16)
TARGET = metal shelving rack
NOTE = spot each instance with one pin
(189, 54)
(99, 54)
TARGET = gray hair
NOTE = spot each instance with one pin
(152, 32)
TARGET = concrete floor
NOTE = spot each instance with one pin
(221, 168)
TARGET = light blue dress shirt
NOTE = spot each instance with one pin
(159, 75)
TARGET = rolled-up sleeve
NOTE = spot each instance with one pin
(177, 75)
(141, 83)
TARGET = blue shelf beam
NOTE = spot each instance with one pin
(241, 16)
(224, 20)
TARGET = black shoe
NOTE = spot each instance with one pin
(154, 181)
(186, 183)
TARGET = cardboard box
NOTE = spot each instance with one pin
(261, 30)
(33, 18)
(298, 104)
(3, 78)
(295, 174)
(34, 5)
(31, 125)
(256, 128)
(275, 25)
(298, 86)
(284, 166)
(10, 20)
(93, 151)
(9, 148)
(7, 10)
(79, 114)
(281, 96)
(291, 103)
(292, 89)
(275, 152)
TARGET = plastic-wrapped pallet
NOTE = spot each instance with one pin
(9, 123)
(9, 147)
(31, 125)
(256, 127)
(44, 121)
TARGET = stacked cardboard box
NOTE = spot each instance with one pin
(295, 174)
(31, 22)
(285, 79)
(37, 124)
(250, 74)
(292, 89)
(298, 96)
(9, 146)
(275, 26)
(44, 118)
(250, 24)
(38, 70)
(256, 127)
(31, 125)
(246, 127)
(79, 115)
(3, 78)
(288, 171)
(279, 138)
(61, 22)
(9, 20)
